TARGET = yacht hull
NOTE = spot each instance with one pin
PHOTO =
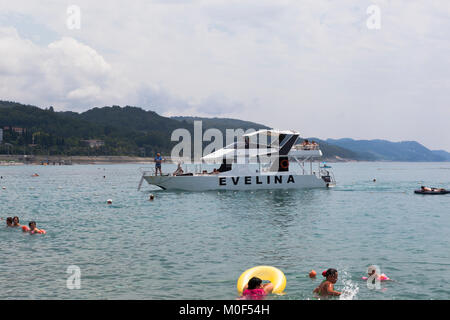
(222, 182)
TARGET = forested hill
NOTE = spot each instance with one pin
(391, 151)
(133, 131)
(128, 131)
(223, 123)
(125, 131)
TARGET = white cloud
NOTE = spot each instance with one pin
(71, 75)
(64, 71)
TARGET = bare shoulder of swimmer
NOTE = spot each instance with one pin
(268, 287)
(331, 291)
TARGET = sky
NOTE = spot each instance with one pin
(328, 69)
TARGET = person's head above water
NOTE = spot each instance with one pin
(9, 221)
(254, 283)
(331, 275)
(372, 270)
(32, 225)
(16, 221)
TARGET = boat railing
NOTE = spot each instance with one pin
(147, 171)
(306, 147)
(193, 168)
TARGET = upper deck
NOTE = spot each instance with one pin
(306, 150)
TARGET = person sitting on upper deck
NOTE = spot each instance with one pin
(306, 144)
(215, 171)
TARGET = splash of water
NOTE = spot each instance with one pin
(350, 289)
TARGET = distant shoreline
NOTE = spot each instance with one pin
(6, 160)
(67, 160)
(16, 160)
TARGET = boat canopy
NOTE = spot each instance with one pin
(250, 149)
(272, 133)
(232, 153)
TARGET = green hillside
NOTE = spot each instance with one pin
(125, 131)
(132, 131)
(223, 123)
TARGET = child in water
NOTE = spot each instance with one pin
(33, 228)
(9, 222)
(326, 288)
(16, 222)
(255, 290)
(372, 272)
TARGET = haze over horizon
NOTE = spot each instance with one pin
(310, 66)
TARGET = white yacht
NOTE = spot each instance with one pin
(280, 164)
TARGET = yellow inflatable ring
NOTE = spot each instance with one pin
(272, 274)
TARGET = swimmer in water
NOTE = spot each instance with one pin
(9, 222)
(33, 228)
(372, 272)
(256, 290)
(16, 222)
(326, 288)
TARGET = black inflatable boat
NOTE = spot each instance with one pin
(432, 192)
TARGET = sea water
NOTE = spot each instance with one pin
(186, 245)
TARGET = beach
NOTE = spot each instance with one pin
(69, 160)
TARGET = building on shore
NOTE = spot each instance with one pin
(94, 143)
(18, 130)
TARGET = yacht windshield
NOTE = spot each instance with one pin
(243, 145)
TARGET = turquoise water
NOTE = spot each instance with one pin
(195, 245)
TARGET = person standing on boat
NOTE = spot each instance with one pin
(158, 161)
